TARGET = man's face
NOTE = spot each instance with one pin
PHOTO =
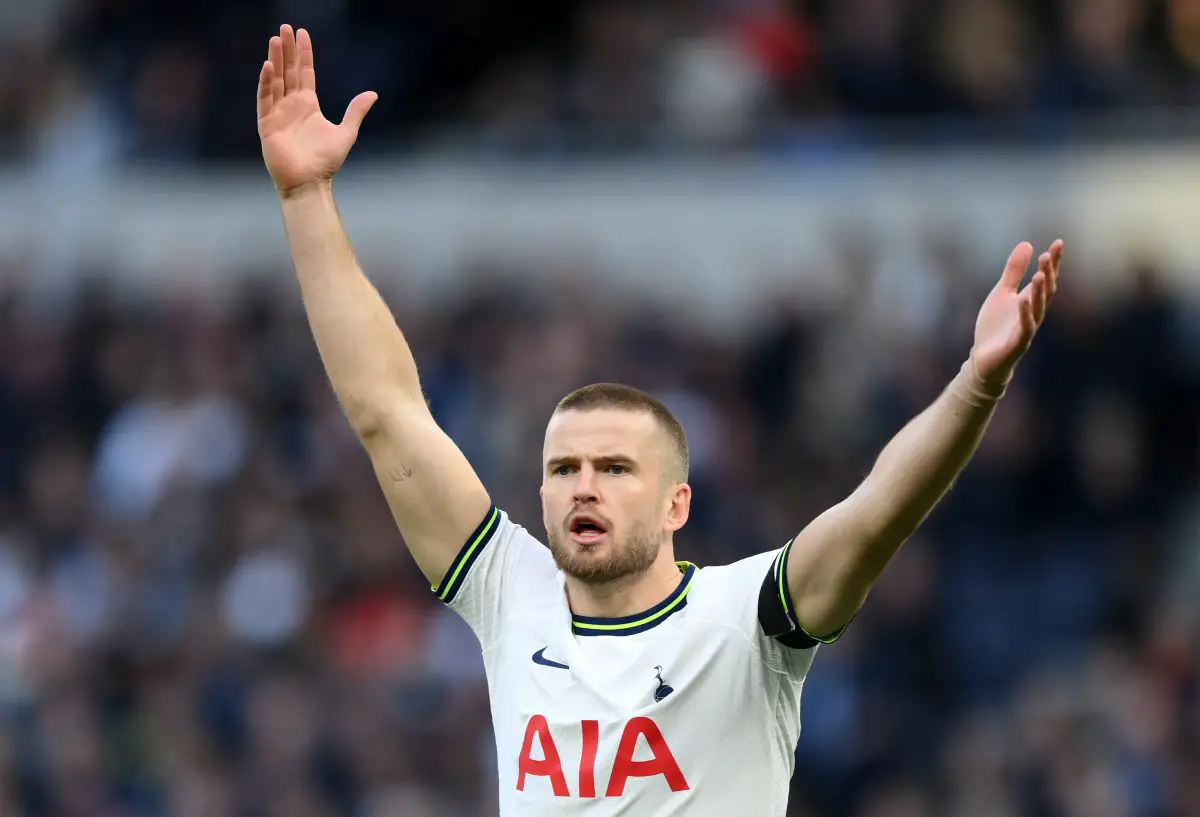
(608, 501)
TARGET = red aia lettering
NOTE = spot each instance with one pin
(625, 767)
(549, 766)
(587, 760)
(662, 761)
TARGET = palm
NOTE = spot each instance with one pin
(300, 146)
(1010, 315)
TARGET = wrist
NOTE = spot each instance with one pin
(998, 377)
(976, 389)
(321, 188)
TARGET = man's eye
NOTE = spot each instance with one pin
(618, 470)
(562, 471)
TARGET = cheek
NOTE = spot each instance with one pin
(552, 497)
(639, 502)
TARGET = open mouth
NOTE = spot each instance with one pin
(587, 529)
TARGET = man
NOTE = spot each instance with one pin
(621, 680)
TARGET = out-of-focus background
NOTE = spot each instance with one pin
(778, 216)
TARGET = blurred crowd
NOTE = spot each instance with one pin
(206, 611)
(205, 608)
(96, 82)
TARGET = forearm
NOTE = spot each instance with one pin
(835, 560)
(832, 564)
(364, 352)
(919, 465)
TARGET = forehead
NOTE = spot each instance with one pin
(601, 432)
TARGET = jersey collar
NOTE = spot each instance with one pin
(639, 622)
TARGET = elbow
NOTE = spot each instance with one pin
(365, 428)
(369, 416)
(378, 413)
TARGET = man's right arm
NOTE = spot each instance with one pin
(434, 495)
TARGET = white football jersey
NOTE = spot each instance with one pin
(688, 708)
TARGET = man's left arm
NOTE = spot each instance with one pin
(832, 564)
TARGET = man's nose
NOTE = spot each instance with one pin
(585, 486)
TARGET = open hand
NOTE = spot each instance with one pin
(301, 148)
(1010, 315)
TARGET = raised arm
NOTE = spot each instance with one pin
(832, 564)
(434, 495)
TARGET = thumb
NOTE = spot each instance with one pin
(357, 110)
(1018, 263)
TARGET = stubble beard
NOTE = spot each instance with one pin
(629, 557)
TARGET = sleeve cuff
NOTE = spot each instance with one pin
(776, 612)
(476, 542)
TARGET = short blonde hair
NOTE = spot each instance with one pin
(620, 396)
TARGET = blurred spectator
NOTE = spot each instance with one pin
(147, 82)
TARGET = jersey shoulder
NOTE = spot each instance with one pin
(747, 596)
(713, 582)
(500, 569)
(728, 594)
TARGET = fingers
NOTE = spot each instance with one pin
(1025, 308)
(1042, 293)
(291, 65)
(1034, 299)
(1018, 263)
(1056, 252)
(265, 100)
(290, 56)
(1040, 296)
(1038, 292)
(1048, 266)
(357, 110)
(275, 53)
(1046, 269)
(308, 72)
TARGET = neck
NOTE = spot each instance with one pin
(627, 595)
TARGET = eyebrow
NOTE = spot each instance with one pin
(607, 459)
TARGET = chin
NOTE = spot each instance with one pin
(605, 560)
(593, 568)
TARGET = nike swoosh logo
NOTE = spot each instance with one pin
(539, 657)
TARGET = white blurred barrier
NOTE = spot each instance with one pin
(721, 236)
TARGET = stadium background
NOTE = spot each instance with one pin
(779, 217)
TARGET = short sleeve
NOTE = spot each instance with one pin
(495, 561)
(731, 595)
(777, 613)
